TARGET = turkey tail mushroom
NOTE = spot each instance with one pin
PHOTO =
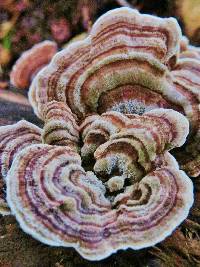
(139, 146)
(60, 204)
(13, 138)
(30, 62)
(113, 89)
(96, 130)
(60, 126)
(121, 42)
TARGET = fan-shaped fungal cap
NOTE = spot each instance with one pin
(136, 148)
(126, 64)
(59, 203)
(60, 125)
(191, 52)
(121, 42)
(187, 50)
(96, 130)
(31, 62)
(187, 82)
(13, 138)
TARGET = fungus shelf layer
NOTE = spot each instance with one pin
(31, 62)
(134, 197)
(99, 177)
(129, 63)
(13, 138)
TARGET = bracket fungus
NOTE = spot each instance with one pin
(99, 176)
(134, 195)
(97, 129)
(60, 126)
(129, 63)
(121, 42)
(13, 138)
(31, 62)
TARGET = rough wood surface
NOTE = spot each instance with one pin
(14, 107)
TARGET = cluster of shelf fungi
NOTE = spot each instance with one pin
(99, 176)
